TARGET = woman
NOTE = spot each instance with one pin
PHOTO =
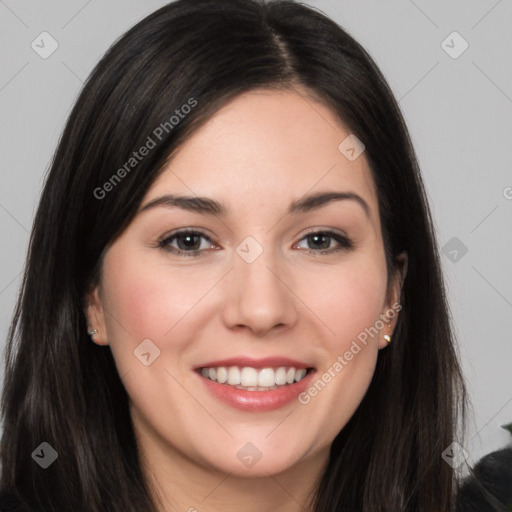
(233, 297)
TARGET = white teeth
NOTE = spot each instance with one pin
(233, 376)
(266, 378)
(299, 374)
(252, 379)
(281, 376)
(248, 377)
(222, 374)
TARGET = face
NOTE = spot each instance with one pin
(215, 309)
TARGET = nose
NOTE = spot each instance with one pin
(259, 296)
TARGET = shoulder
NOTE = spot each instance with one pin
(490, 485)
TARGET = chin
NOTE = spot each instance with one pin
(247, 460)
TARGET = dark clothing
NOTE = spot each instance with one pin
(9, 503)
(489, 489)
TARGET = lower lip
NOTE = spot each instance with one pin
(257, 401)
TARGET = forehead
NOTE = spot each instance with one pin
(267, 148)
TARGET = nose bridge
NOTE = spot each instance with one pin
(257, 297)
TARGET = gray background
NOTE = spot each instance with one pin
(458, 111)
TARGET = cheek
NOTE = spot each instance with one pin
(147, 299)
(351, 299)
(351, 309)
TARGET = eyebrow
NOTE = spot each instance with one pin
(207, 206)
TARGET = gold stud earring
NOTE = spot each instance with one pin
(387, 337)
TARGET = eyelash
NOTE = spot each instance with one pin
(345, 243)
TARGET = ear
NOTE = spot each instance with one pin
(94, 313)
(392, 306)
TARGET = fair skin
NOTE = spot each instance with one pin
(256, 155)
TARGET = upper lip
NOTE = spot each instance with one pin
(266, 362)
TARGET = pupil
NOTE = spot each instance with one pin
(189, 243)
(316, 237)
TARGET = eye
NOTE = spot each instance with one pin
(188, 243)
(321, 242)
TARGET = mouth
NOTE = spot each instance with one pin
(248, 378)
(255, 385)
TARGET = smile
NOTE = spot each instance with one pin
(255, 385)
(253, 379)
